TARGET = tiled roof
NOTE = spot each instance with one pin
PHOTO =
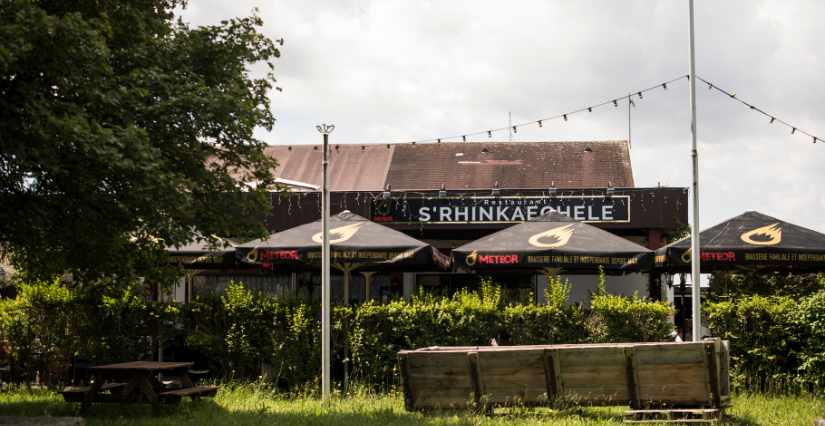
(521, 165)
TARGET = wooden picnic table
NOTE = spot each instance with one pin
(138, 375)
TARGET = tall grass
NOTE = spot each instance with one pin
(260, 404)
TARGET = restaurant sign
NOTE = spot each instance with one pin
(437, 210)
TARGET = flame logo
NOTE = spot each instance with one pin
(383, 207)
(562, 234)
(471, 259)
(344, 233)
(687, 256)
(772, 231)
(253, 255)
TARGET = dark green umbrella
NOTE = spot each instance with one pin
(552, 242)
(198, 255)
(749, 242)
(355, 244)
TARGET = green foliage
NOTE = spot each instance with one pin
(618, 319)
(774, 339)
(118, 122)
(727, 285)
(241, 333)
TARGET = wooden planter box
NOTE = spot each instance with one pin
(636, 374)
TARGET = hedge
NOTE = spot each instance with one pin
(241, 332)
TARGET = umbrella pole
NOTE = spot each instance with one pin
(368, 275)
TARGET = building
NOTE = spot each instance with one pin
(572, 177)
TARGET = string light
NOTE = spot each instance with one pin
(615, 104)
(733, 96)
(336, 148)
(463, 138)
(363, 148)
(388, 146)
(439, 141)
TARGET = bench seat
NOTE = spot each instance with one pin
(196, 391)
(109, 386)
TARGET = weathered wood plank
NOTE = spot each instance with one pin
(587, 375)
(515, 381)
(724, 365)
(443, 397)
(522, 395)
(420, 380)
(512, 358)
(549, 375)
(591, 356)
(602, 395)
(632, 377)
(681, 395)
(671, 375)
(510, 371)
(475, 377)
(670, 353)
(406, 382)
(712, 351)
(425, 360)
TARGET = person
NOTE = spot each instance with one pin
(688, 337)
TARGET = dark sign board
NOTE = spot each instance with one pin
(436, 210)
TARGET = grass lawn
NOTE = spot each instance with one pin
(257, 405)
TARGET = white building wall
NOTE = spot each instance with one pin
(583, 285)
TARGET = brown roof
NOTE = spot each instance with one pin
(516, 165)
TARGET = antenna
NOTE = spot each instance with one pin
(510, 115)
(629, 104)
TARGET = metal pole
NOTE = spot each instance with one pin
(697, 254)
(326, 377)
(684, 308)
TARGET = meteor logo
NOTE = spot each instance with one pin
(343, 233)
(686, 256)
(471, 259)
(771, 231)
(562, 236)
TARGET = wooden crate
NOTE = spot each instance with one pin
(633, 374)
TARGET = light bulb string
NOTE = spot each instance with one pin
(772, 117)
(589, 109)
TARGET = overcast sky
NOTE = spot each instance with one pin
(393, 71)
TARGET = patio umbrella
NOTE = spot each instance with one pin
(197, 255)
(550, 243)
(748, 243)
(356, 243)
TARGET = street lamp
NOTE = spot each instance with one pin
(2, 277)
(325, 283)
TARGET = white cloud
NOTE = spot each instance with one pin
(386, 72)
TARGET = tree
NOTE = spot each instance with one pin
(120, 128)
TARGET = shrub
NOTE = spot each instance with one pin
(241, 332)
